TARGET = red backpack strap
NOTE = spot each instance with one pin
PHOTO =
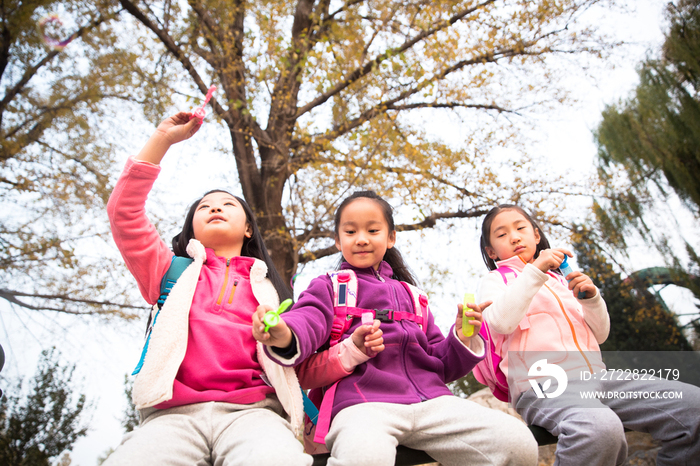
(420, 305)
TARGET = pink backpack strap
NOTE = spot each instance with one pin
(420, 306)
(324, 414)
(487, 371)
(506, 273)
(344, 302)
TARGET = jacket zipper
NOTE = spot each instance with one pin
(233, 291)
(223, 287)
(571, 325)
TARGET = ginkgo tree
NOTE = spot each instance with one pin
(318, 98)
(58, 82)
(323, 97)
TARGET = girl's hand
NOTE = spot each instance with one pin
(582, 283)
(550, 259)
(170, 131)
(179, 127)
(368, 338)
(279, 336)
(473, 312)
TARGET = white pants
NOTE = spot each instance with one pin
(213, 433)
(452, 430)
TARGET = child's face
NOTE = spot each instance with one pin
(220, 222)
(511, 235)
(363, 234)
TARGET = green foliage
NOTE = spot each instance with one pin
(56, 152)
(322, 98)
(465, 386)
(649, 145)
(47, 421)
(639, 320)
(130, 419)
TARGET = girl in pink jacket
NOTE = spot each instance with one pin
(546, 329)
(206, 392)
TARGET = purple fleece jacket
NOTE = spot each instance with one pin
(414, 366)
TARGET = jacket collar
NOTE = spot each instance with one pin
(240, 264)
(384, 270)
(515, 263)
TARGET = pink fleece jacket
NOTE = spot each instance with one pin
(535, 314)
(220, 362)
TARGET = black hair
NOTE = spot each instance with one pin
(392, 256)
(252, 247)
(486, 232)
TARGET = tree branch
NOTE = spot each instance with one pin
(12, 297)
(359, 73)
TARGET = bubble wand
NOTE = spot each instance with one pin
(566, 270)
(272, 318)
(200, 112)
(467, 328)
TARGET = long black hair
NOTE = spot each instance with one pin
(392, 256)
(485, 241)
(252, 247)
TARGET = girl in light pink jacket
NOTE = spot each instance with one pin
(546, 329)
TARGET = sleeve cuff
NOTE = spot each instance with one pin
(350, 355)
(288, 356)
(476, 345)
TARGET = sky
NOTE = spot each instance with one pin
(104, 353)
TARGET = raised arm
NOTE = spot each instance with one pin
(170, 131)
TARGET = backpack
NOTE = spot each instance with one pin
(345, 310)
(488, 371)
(177, 266)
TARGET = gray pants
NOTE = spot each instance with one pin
(591, 432)
(214, 434)
(452, 430)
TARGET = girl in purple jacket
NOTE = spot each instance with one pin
(398, 396)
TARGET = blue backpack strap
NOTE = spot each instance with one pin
(177, 266)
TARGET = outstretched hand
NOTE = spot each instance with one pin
(279, 336)
(179, 127)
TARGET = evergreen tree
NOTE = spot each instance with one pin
(654, 137)
(638, 320)
(45, 423)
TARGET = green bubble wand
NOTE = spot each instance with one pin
(272, 318)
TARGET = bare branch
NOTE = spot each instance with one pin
(431, 220)
(12, 297)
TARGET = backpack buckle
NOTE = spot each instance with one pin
(337, 330)
(383, 315)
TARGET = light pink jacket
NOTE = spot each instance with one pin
(535, 314)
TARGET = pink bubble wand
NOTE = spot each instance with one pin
(199, 112)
